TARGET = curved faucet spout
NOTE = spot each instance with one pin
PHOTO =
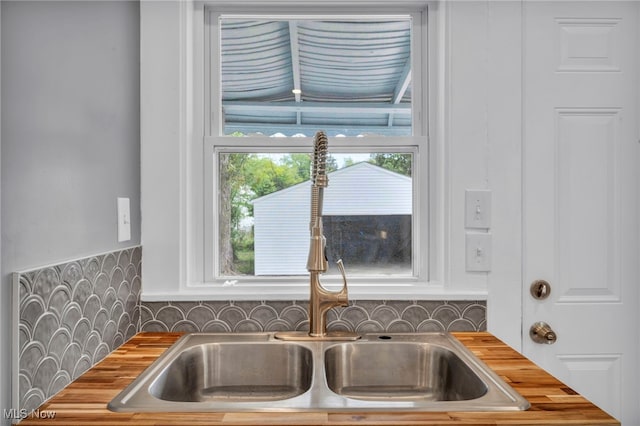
(320, 299)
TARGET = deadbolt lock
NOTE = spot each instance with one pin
(541, 332)
(540, 289)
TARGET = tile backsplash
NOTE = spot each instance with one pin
(68, 317)
(71, 316)
(359, 316)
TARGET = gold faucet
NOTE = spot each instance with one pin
(320, 299)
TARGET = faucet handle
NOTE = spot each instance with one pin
(342, 272)
(342, 295)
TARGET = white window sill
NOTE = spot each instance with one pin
(239, 292)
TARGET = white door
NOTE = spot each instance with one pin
(581, 196)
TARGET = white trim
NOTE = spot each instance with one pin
(439, 113)
(15, 341)
(302, 7)
(418, 145)
(173, 109)
(225, 293)
(636, 379)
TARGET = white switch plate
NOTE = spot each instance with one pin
(478, 252)
(477, 209)
(124, 220)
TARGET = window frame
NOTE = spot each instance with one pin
(216, 143)
(173, 168)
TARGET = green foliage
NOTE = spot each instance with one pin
(301, 163)
(332, 164)
(243, 251)
(348, 162)
(399, 163)
(250, 176)
(264, 175)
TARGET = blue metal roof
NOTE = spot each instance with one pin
(345, 77)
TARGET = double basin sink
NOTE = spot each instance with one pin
(257, 372)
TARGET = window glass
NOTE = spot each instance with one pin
(265, 211)
(349, 77)
(274, 82)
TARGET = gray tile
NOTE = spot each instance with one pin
(45, 281)
(384, 315)
(32, 308)
(70, 318)
(200, 315)
(71, 274)
(263, 314)
(400, 326)
(415, 314)
(169, 315)
(362, 316)
(58, 343)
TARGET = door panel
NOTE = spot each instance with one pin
(580, 195)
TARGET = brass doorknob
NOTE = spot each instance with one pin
(541, 332)
(540, 289)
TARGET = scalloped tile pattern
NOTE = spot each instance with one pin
(73, 315)
(359, 316)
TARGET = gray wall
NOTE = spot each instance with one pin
(70, 136)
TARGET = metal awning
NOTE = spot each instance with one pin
(346, 77)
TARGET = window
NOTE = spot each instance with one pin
(272, 81)
(192, 131)
(264, 207)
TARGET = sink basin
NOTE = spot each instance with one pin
(262, 372)
(406, 371)
(228, 372)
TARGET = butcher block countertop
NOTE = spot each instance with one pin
(84, 402)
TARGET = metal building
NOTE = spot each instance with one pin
(367, 209)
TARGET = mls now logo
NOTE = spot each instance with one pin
(19, 414)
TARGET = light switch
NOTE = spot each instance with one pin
(478, 252)
(478, 209)
(124, 220)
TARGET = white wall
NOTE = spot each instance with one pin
(70, 136)
(483, 142)
(478, 85)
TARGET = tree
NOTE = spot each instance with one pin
(244, 177)
(332, 164)
(399, 163)
(265, 175)
(230, 167)
(299, 162)
(348, 162)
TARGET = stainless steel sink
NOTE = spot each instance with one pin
(256, 372)
(400, 371)
(245, 371)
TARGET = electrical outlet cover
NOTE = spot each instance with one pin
(478, 252)
(124, 220)
(477, 209)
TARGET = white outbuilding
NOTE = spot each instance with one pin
(367, 218)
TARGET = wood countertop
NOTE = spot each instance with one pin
(84, 402)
